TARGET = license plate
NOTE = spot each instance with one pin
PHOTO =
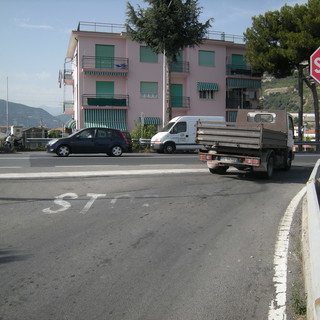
(230, 159)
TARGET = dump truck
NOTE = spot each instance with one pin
(259, 141)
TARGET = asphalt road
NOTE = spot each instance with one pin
(180, 246)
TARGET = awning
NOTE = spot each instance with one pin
(236, 83)
(151, 120)
(105, 118)
(207, 86)
(70, 124)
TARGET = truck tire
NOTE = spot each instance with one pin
(287, 163)
(169, 147)
(270, 167)
(218, 170)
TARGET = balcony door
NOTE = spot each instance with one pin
(176, 95)
(105, 89)
(104, 56)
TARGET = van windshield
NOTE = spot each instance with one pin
(167, 127)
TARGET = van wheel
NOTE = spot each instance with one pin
(169, 148)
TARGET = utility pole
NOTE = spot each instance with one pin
(7, 106)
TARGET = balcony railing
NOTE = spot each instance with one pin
(181, 66)
(179, 102)
(92, 62)
(236, 103)
(68, 106)
(241, 70)
(106, 100)
(119, 28)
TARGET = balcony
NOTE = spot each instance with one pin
(68, 76)
(180, 102)
(68, 106)
(180, 67)
(109, 101)
(237, 103)
(241, 70)
(105, 66)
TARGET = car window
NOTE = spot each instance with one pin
(101, 133)
(87, 134)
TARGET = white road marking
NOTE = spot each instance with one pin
(82, 174)
(277, 308)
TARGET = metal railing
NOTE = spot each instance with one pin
(179, 102)
(105, 100)
(241, 70)
(312, 244)
(180, 66)
(105, 63)
(118, 28)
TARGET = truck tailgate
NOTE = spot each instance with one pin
(239, 136)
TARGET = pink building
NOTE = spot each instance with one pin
(114, 81)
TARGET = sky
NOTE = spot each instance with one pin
(35, 35)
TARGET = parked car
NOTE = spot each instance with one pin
(129, 140)
(90, 140)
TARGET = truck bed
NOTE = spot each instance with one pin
(234, 135)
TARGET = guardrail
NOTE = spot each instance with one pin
(312, 244)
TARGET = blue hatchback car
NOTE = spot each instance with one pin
(90, 140)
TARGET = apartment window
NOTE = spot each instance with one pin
(147, 55)
(206, 58)
(207, 90)
(149, 90)
(207, 94)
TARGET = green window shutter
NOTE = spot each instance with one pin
(149, 89)
(147, 55)
(238, 60)
(176, 95)
(206, 58)
(104, 88)
(104, 56)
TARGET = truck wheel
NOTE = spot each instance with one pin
(288, 162)
(219, 170)
(270, 168)
(169, 148)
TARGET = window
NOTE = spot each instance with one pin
(206, 58)
(149, 90)
(179, 127)
(147, 55)
(206, 94)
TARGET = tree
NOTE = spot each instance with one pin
(280, 41)
(167, 26)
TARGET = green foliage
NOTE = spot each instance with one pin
(167, 25)
(289, 101)
(147, 132)
(298, 300)
(55, 134)
(279, 40)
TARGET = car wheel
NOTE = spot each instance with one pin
(63, 151)
(116, 151)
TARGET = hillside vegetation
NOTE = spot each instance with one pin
(287, 95)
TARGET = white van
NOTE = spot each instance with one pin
(180, 134)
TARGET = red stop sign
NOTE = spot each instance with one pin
(315, 65)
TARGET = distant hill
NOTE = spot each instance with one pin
(280, 94)
(20, 114)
